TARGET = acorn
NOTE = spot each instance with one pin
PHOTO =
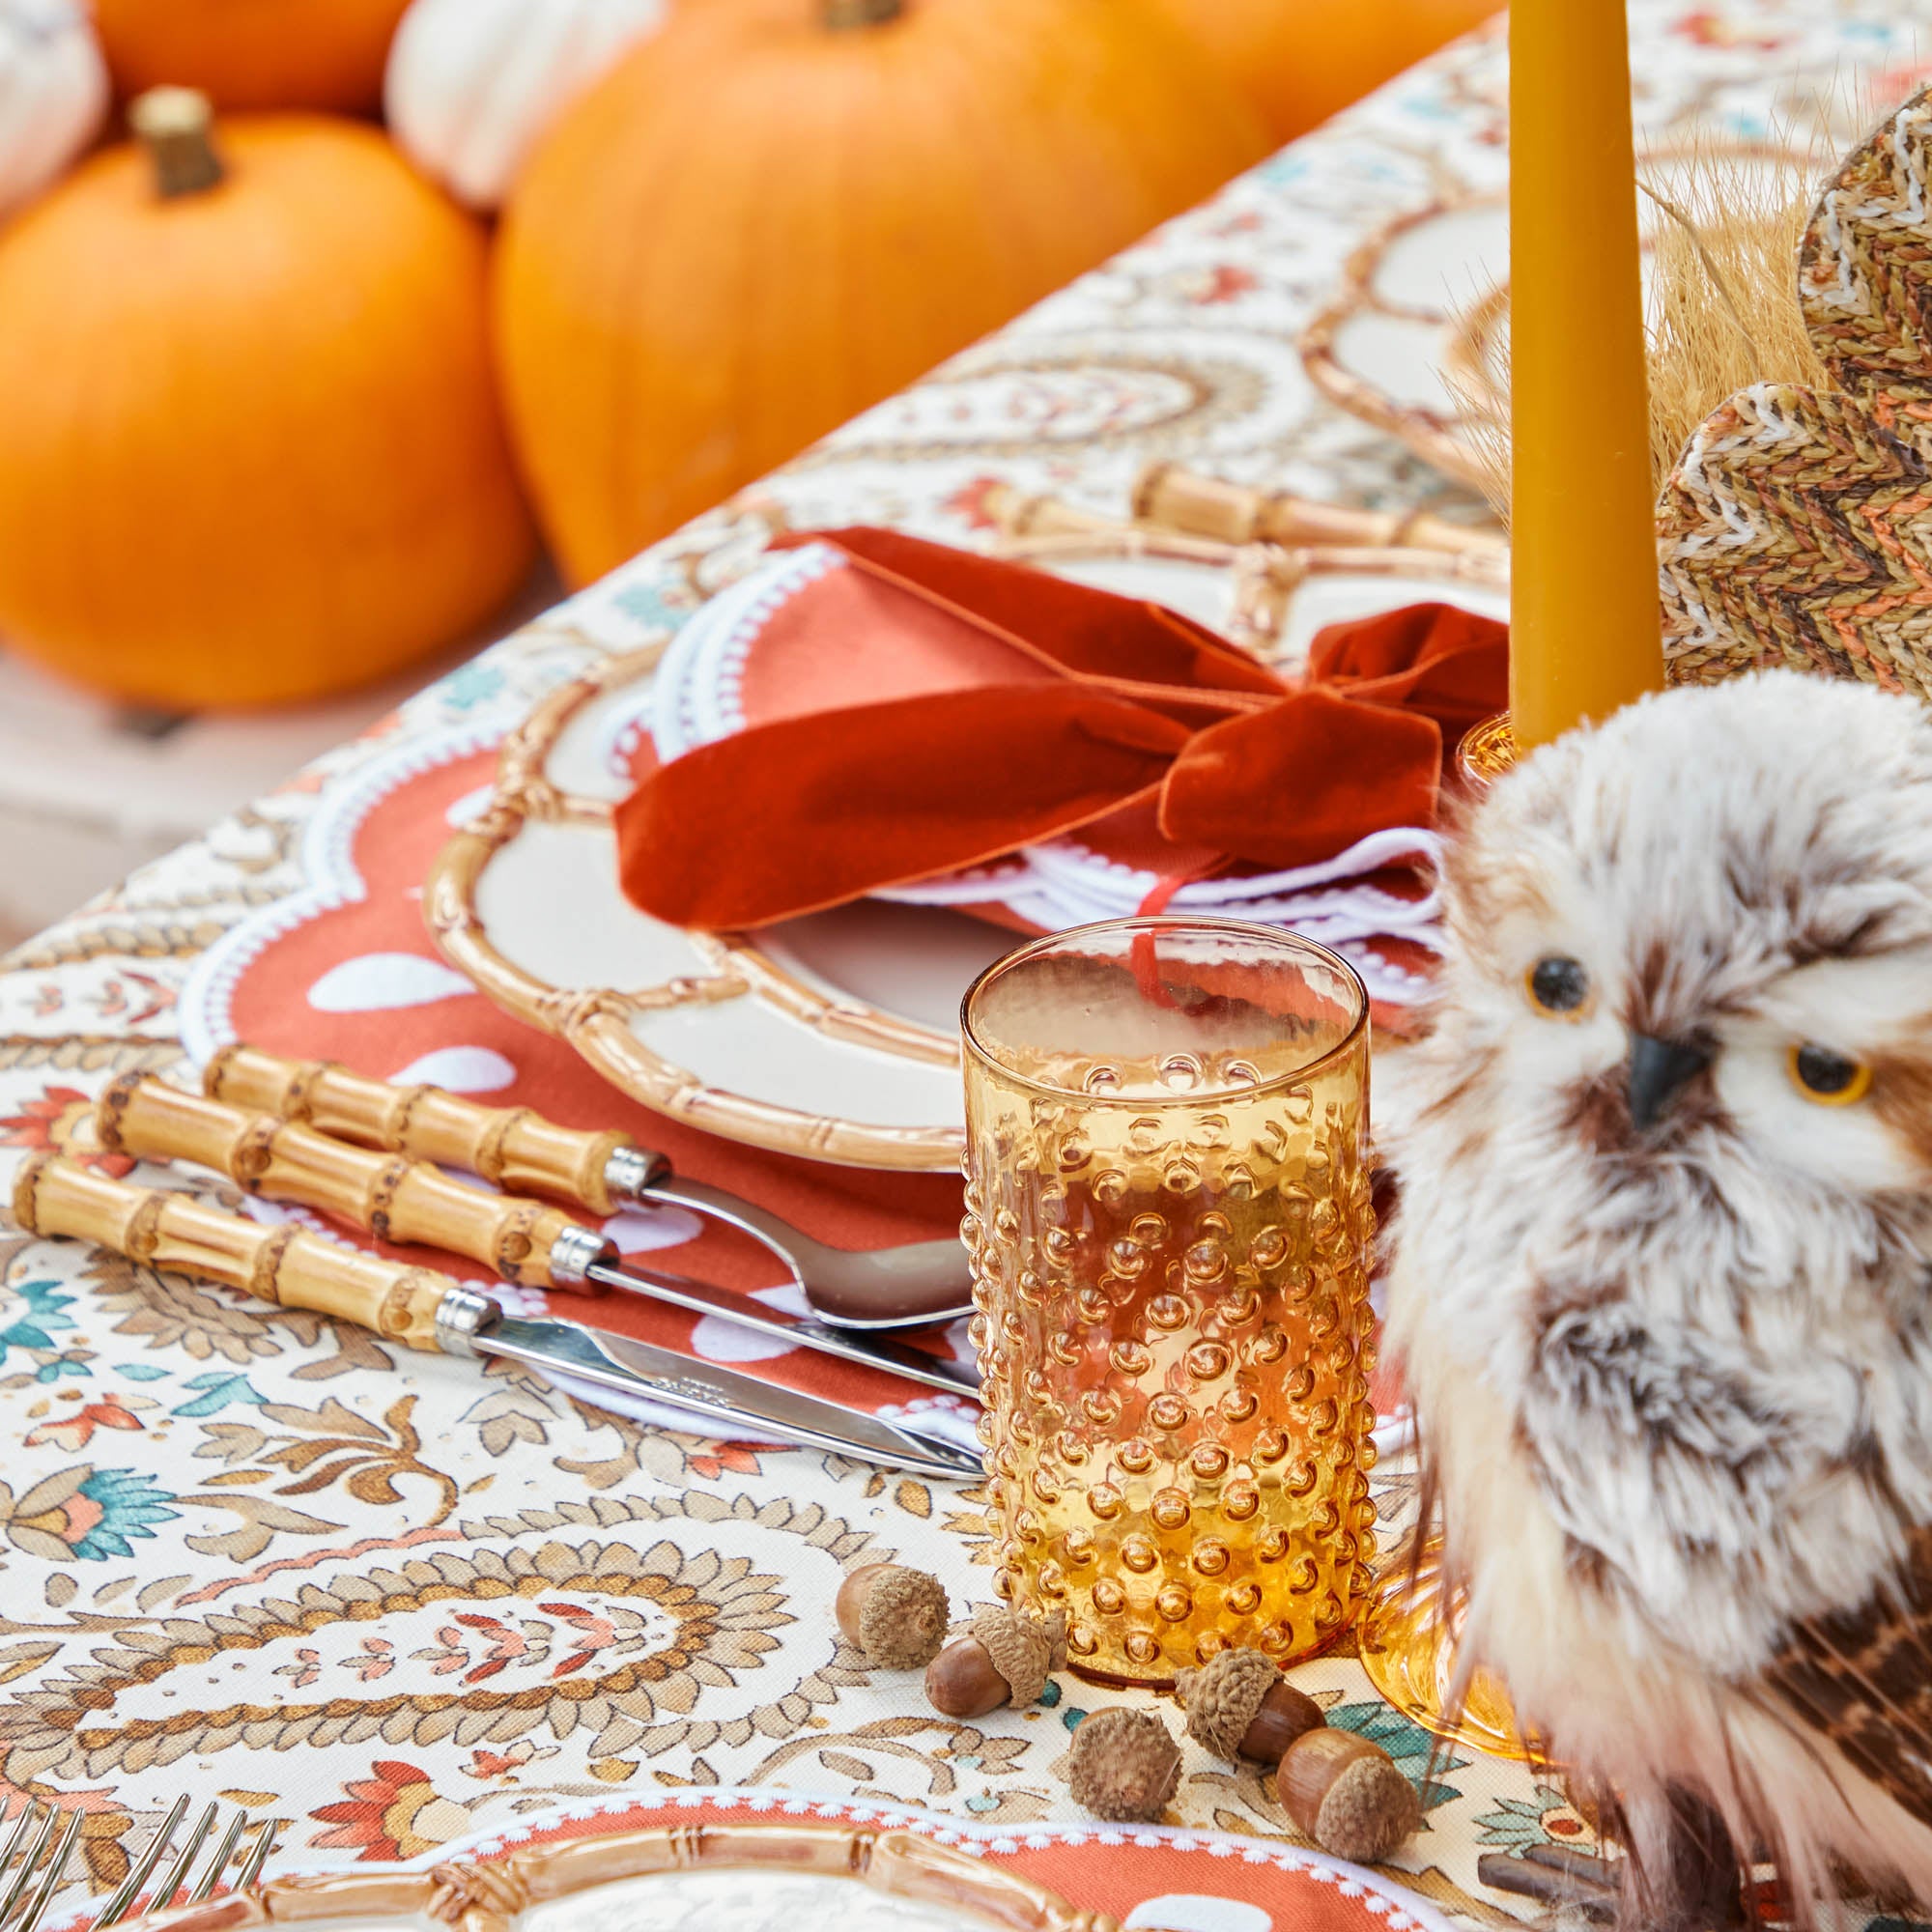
(1347, 1794)
(1004, 1657)
(896, 1616)
(1239, 1705)
(1124, 1766)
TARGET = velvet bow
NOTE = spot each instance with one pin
(1079, 703)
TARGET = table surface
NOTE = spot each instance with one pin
(397, 1609)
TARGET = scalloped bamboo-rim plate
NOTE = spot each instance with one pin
(1456, 332)
(477, 1895)
(848, 1036)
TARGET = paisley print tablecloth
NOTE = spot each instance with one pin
(399, 1602)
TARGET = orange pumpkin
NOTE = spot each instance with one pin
(252, 53)
(1301, 61)
(775, 213)
(249, 444)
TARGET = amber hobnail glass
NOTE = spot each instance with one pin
(1168, 1212)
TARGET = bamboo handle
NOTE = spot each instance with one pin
(1183, 499)
(512, 1148)
(287, 1265)
(393, 1197)
(1015, 513)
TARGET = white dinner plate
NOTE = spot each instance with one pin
(832, 1035)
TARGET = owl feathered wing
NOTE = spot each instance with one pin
(1862, 1679)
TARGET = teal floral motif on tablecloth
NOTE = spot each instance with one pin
(1547, 1818)
(32, 1313)
(216, 1390)
(85, 1513)
(471, 685)
(648, 602)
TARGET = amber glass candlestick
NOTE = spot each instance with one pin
(1408, 1632)
(1407, 1646)
(1487, 751)
(1168, 1212)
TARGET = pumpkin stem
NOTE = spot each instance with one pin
(174, 124)
(841, 14)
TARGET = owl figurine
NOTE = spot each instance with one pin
(1662, 1287)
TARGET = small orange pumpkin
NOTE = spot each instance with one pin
(774, 213)
(1301, 61)
(252, 53)
(249, 444)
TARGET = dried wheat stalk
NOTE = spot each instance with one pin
(1722, 300)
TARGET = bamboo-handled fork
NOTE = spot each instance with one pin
(37, 1853)
(518, 1150)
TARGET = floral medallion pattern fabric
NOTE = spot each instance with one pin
(401, 1600)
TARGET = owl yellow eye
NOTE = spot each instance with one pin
(1559, 986)
(1828, 1078)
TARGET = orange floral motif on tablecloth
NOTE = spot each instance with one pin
(393, 1813)
(592, 1627)
(33, 1128)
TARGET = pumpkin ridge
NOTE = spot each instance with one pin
(249, 445)
(899, 248)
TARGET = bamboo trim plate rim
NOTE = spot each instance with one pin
(594, 1021)
(477, 1894)
(1459, 443)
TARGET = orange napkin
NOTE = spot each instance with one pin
(1106, 703)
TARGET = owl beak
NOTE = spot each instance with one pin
(1658, 1071)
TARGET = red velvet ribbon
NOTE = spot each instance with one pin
(1111, 702)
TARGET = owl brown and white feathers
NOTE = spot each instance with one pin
(1662, 1275)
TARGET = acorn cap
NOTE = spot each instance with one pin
(903, 1622)
(1024, 1650)
(1124, 1766)
(1223, 1695)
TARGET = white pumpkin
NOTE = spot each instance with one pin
(472, 83)
(53, 92)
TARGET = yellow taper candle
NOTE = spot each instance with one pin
(1584, 628)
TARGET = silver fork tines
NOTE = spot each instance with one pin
(23, 1871)
(31, 1873)
(37, 1905)
(171, 1882)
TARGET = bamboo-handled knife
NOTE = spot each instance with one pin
(400, 1200)
(422, 1309)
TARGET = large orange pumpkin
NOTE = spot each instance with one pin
(776, 211)
(1301, 61)
(249, 444)
(253, 53)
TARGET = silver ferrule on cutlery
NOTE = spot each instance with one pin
(525, 1241)
(517, 1149)
(422, 1309)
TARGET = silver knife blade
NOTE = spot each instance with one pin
(872, 1352)
(710, 1392)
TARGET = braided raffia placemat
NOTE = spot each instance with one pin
(1797, 529)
